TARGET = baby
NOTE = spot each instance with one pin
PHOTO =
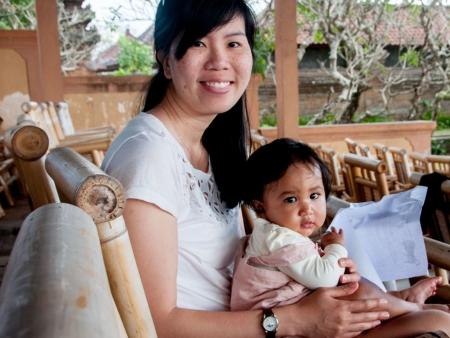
(287, 185)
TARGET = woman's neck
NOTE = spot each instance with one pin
(187, 128)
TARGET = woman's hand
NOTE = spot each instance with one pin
(322, 314)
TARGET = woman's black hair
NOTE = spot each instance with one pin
(270, 162)
(183, 22)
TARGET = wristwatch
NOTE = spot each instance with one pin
(269, 323)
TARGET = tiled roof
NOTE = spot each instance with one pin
(406, 30)
(107, 59)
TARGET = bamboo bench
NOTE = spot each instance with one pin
(99, 198)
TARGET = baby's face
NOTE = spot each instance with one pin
(296, 201)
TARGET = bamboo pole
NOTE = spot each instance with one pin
(101, 196)
(49, 290)
(124, 278)
(27, 141)
(438, 252)
(85, 185)
(28, 145)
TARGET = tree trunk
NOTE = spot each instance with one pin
(352, 107)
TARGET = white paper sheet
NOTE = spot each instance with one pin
(384, 238)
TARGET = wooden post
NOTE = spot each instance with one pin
(253, 101)
(49, 52)
(55, 284)
(101, 196)
(286, 68)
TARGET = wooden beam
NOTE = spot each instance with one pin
(286, 67)
(49, 52)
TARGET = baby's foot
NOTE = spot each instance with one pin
(422, 290)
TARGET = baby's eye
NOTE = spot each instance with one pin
(290, 199)
(314, 195)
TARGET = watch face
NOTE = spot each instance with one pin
(270, 324)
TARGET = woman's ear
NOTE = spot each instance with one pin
(166, 65)
(164, 60)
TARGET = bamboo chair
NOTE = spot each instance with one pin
(438, 253)
(383, 154)
(367, 178)
(439, 163)
(91, 143)
(402, 166)
(257, 140)
(420, 163)
(8, 176)
(8, 173)
(83, 184)
(331, 159)
(364, 150)
(352, 146)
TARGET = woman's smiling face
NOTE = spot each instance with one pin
(214, 72)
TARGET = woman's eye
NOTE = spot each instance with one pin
(234, 44)
(315, 196)
(290, 200)
(198, 43)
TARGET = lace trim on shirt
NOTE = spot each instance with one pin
(205, 196)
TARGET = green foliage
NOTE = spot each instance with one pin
(439, 147)
(263, 50)
(411, 58)
(268, 120)
(306, 12)
(134, 57)
(304, 119)
(442, 119)
(376, 118)
(318, 37)
(17, 14)
(390, 8)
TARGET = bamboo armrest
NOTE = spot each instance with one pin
(88, 139)
(105, 131)
(365, 162)
(415, 180)
(438, 158)
(55, 284)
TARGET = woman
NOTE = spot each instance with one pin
(180, 164)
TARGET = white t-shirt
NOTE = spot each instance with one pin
(152, 166)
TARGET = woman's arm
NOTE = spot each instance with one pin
(153, 235)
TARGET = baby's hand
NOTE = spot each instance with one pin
(332, 237)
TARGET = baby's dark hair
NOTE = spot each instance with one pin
(270, 162)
